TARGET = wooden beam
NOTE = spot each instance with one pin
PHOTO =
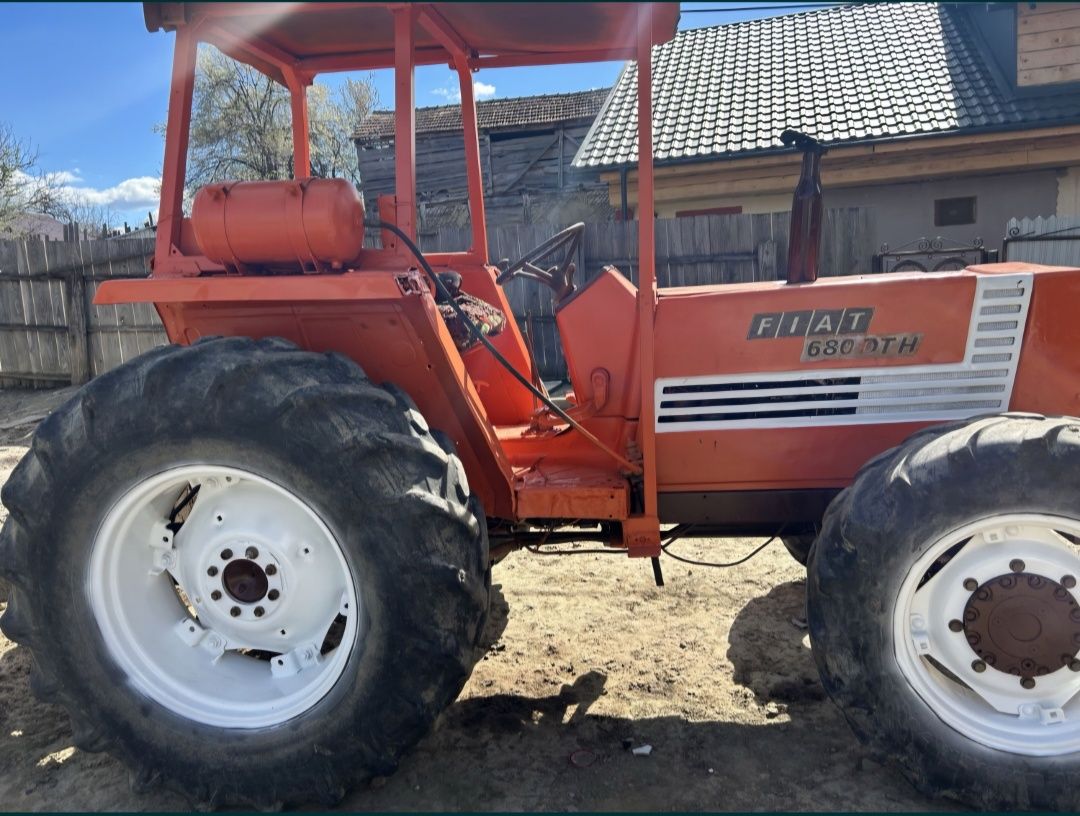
(1045, 40)
(1034, 9)
(714, 182)
(1049, 76)
(1054, 21)
(781, 163)
(1050, 58)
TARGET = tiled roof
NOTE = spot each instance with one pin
(842, 74)
(493, 113)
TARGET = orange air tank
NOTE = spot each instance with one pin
(314, 225)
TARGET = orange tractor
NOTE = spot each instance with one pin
(255, 564)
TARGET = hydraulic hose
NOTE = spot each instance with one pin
(482, 338)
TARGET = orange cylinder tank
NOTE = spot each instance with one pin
(313, 225)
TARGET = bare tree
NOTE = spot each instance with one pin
(97, 219)
(24, 188)
(241, 124)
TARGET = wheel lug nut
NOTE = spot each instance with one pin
(215, 595)
(970, 584)
(1068, 582)
(226, 554)
(270, 569)
(259, 611)
(956, 625)
(273, 594)
(235, 611)
(251, 553)
(1027, 682)
(212, 571)
(1016, 565)
(978, 666)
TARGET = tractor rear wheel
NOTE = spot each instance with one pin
(245, 570)
(944, 610)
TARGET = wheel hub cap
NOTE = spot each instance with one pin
(245, 581)
(1023, 624)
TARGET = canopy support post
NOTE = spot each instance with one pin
(301, 131)
(477, 215)
(642, 534)
(174, 170)
(405, 119)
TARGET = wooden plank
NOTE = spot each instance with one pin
(1049, 76)
(1047, 40)
(765, 261)
(1051, 58)
(1035, 9)
(60, 257)
(25, 342)
(78, 329)
(105, 344)
(10, 359)
(1053, 21)
(41, 307)
(123, 264)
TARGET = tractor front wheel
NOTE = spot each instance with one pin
(245, 570)
(944, 610)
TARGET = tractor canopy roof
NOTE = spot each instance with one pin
(315, 38)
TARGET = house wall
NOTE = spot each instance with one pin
(1068, 199)
(1048, 44)
(905, 212)
(527, 177)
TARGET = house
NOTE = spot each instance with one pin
(34, 225)
(945, 120)
(526, 146)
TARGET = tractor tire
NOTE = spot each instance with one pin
(325, 493)
(940, 590)
(799, 546)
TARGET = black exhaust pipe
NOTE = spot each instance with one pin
(804, 239)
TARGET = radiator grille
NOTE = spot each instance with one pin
(981, 383)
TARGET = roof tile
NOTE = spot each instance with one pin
(869, 71)
(492, 114)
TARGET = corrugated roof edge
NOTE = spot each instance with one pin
(772, 151)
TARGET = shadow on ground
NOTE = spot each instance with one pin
(558, 751)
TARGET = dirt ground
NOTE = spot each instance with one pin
(586, 654)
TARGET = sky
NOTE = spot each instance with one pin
(86, 85)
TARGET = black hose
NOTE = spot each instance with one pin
(482, 338)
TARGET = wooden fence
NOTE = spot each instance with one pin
(51, 334)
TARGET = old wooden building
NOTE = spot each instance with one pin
(526, 148)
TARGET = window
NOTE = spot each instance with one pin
(710, 211)
(949, 212)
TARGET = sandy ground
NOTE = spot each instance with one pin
(585, 654)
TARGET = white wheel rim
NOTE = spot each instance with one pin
(195, 659)
(995, 708)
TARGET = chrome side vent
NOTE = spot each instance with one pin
(981, 383)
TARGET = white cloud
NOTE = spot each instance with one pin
(481, 90)
(132, 193)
